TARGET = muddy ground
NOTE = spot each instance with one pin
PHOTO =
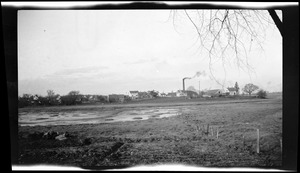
(211, 135)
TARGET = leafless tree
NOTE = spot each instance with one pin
(50, 93)
(228, 35)
(249, 88)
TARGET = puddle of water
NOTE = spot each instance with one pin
(137, 118)
(41, 118)
(133, 113)
(168, 115)
(154, 116)
(82, 117)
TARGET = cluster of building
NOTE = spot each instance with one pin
(220, 92)
(119, 98)
(144, 95)
(138, 95)
(134, 95)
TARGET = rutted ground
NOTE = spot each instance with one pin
(176, 139)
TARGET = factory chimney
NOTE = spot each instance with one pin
(183, 89)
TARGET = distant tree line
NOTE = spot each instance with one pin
(52, 99)
(75, 98)
(72, 98)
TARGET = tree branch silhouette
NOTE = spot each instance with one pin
(223, 33)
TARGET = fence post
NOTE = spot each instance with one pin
(207, 129)
(212, 131)
(243, 141)
(257, 144)
(217, 132)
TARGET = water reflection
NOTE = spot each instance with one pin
(91, 117)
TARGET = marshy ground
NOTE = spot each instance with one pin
(209, 133)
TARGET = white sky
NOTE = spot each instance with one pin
(115, 51)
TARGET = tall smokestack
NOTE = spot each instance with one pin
(183, 85)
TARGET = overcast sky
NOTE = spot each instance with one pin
(116, 51)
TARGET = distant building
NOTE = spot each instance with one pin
(162, 94)
(94, 98)
(191, 94)
(35, 97)
(186, 93)
(134, 94)
(213, 93)
(58, 99)
(181, 93)
(232, 91)
(171, 94)
(144, 95)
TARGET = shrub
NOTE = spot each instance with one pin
(25, 100)
(262, 94)
(72, 98)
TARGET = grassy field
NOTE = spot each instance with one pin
(188, 138)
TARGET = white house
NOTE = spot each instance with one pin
(180, 93)
(215, 93)
(134, 94)
(232, 91)
(162, 94)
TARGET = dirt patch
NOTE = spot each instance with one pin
(41, 147)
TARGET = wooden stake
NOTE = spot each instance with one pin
(207, 130)
(257, 144)
(243, 141)
(212, 131)
(217, 132)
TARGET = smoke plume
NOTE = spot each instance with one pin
(199, 73)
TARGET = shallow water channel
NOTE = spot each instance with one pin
(94, 116)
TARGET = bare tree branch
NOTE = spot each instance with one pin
(221, 33)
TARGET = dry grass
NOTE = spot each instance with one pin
(178, 139)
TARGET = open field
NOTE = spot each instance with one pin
(150, 137)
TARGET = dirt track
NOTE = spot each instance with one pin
(176, 139)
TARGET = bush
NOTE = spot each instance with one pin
(22, 102)
(25, 100)
(68, 100)
(101, 99)
(262, 94)
(72, 98)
